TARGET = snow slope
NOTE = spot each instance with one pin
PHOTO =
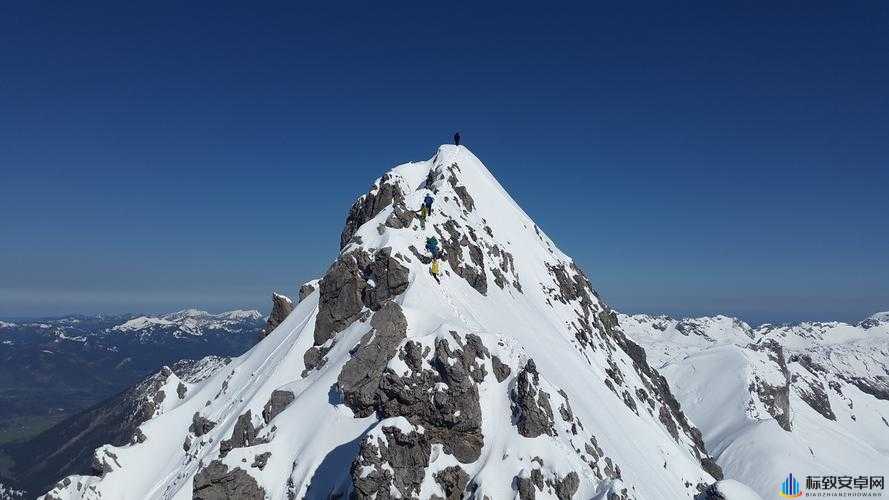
(810, 398)
(508, 379)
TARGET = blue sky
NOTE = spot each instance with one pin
(694, 158)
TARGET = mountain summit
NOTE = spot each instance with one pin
(504, 377)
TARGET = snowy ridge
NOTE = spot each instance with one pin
(811, 397)
(508, 379)
(189, 322)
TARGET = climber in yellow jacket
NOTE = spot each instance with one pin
(435, 270)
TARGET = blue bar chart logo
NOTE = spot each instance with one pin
(790, 487)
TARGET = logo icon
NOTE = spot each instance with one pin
(790, 488)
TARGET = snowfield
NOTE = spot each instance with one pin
(811, 398)
(508, 379)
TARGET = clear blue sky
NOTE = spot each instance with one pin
(694, 158)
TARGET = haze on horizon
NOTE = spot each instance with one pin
(724, 158)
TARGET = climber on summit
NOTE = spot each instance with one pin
(457, 138)
(427, 202)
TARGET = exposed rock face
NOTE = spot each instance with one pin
(400, 217)
(243, 435)
(201, 425)
(278, 401)
(381, 195)
(812, 392)
(217, 482)
(306, 289)
(390, 279)
(260, 461)
(501, 369)
(453, 242)
(354, 281)
(443, 399)
(453, 481)
(340, 302)
(360, 378)
(282, 306)
(397, 461)
(775, 398)
(102, 462)
(531, 411)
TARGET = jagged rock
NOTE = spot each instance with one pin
(390, 279)
(102, 460)
(243, 435)
(566, 487)
(314, 358)
(452, 415)
(200, 425)
(259, 461)
(340, 302)
(368, 206)
(532, 413)
(278, 401)
(501, 369)
(306, 289)
(453, 243)
(399, 462)
(139, 436)
(400, 217)
(181, 389)
(217, 482)
(877, 387)
(813, 393)
(453, 481)
(776, 399)
(712, 468)
(360, 376)
(282, 306)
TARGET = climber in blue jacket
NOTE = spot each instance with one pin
(427, 201)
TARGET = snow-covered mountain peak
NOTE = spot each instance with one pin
(187, 322)
(503, 376)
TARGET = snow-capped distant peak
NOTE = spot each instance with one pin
(189, 322)
(141, 323)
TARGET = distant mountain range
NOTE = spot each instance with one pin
(51, 368)
(811, 396)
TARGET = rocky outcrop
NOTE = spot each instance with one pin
(359, 380)
(390, 278)
(562, 488)
(453, 481)
(354, 281)
(453, 242)
(243, 435)
(396, 461)
(381, 195)
(278, 401)
(200, 425)
(531, 410)
(306, 289)
(501, 369)
(282, 306)
(340, 301)
(217, 482)
(775, 398)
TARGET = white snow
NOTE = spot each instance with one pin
(711, 371)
